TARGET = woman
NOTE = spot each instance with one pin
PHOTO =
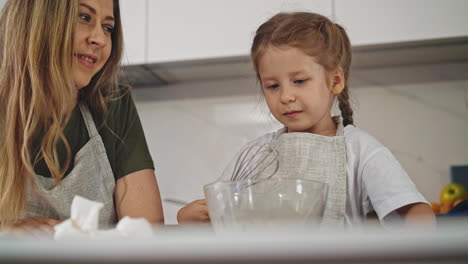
(66, 127)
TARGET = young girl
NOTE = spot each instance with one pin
(66, 127)
(302, 61)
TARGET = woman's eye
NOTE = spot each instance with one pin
(273, 86)
(108, 28)
(85, 17)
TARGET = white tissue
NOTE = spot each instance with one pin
(84, 224)
(134, 227)
(85, 213)
(67, 229)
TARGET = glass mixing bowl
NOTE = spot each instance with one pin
(263, 204)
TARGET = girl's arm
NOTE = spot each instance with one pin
(137, 195)
(418, 215)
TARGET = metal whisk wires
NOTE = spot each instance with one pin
(254, 160)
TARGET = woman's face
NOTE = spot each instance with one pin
(93, 42)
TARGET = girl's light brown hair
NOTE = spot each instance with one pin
(36, 84)
(316, 36)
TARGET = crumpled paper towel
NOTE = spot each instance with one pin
(83, 223)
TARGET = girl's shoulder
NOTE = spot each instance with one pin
(358, 140)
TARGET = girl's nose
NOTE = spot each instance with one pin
(287, 95)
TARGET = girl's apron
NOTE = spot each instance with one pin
(91, 178)
(320, 158)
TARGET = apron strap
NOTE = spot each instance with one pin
(88, 118)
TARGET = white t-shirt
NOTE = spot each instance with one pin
(375, 179)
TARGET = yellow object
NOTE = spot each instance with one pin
(452, 192)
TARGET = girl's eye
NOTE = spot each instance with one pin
(300, 81)
(85, 17)
(108, 28)
(273, 86)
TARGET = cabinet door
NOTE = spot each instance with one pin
(383, 21)
(185, 30)
(134, 24)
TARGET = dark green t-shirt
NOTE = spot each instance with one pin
(122, 134)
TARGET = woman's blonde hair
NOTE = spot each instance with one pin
(316, 36)
(36, 84)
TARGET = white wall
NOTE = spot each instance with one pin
(194, 129)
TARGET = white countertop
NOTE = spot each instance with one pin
(447, 244)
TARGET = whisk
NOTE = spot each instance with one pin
(254, 160)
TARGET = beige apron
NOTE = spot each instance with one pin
(91, 178)
(320, 158)
(309, 156)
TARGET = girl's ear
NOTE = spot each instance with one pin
(337, 81)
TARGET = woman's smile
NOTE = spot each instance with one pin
(87, 60)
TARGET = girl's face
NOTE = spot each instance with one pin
(297, 90)
(93, 43)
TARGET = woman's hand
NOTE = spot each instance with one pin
(34, 226)
(196, 211)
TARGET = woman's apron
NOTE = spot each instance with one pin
(320, 158)
(91, 178)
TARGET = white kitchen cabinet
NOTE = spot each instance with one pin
(187, 30)
(134, 24)
(381, 21)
